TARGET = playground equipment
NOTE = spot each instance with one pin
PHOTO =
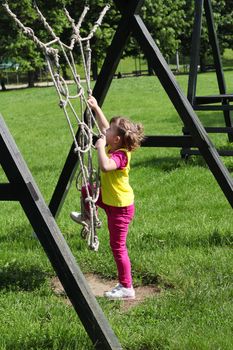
(88, 177)
(213, 103)
(22, 187)
(132, 23)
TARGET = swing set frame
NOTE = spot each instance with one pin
(132, 24)
(22, 187)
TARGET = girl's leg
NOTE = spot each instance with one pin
(118, 224)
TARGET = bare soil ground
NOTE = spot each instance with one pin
(99, 286)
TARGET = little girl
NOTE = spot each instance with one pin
(116, 197)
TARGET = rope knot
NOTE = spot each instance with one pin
(89, 199)
(30, 31)
(62, 103)
(75, 36)
(77, 150)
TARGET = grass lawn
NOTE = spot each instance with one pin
(181, 238)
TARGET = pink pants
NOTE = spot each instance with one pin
(119, 219)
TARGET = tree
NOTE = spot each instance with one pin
(225, 26)
(169, 22)
(165, 20)
(15, 46)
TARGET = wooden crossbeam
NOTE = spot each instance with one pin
(224, 107)
(192, 152)
(213, 99)
(169, 141)
(218, 130)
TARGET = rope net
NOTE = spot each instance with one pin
(88, 176)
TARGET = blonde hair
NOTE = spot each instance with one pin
(132, 134)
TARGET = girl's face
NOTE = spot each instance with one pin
(112, 137)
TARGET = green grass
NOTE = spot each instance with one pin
(181, 238)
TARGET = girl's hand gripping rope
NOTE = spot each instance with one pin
(99, 115)
(92, 102)
(101, 142)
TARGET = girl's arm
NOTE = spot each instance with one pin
(100, 117)
(105, 163)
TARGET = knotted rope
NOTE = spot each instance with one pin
(87, 177)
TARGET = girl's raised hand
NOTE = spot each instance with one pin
(92, 102)
(101, 142)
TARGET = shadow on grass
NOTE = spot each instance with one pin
(20, 233)
(216, 239)
(213, 239)
(168, 164)
(173, 240)
(27, 278)
(157, 280)
(11, 236)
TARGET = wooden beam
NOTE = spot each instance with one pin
(168, 141)
(195, 51)
(9, 192)
(192, 152)
(213, 99)
(223, 107)
(219, 130)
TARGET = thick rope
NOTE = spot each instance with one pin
(83, 145)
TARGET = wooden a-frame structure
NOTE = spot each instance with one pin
(132, 23)
(220, 102)
(22, 187)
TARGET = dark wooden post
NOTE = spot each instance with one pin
(218, 63)
(195, 51)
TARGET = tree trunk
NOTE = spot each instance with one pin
(177, 61)
(202, 64)
(3, 82)
(31, 78)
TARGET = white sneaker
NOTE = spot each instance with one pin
(77, 217)
(120, 293)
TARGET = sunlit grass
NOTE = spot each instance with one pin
(181, 238)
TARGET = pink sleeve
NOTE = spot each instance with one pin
(120, 158)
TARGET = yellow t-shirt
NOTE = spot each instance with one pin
(115, 188)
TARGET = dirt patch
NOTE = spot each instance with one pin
(99, 286)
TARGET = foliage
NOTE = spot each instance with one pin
(223, 19)
(165, 20)
(170, 23)
(14, 45)
(225, 28)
